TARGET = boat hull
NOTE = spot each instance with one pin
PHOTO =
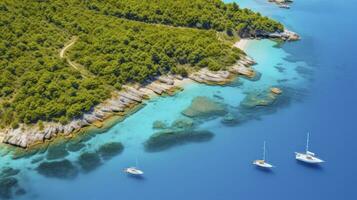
(133, 171)
(308, 158)
(262, 164)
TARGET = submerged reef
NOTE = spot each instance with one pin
(9, 184)
(75, 146)
(159, 125)
(204, 107)
(63, 169)
(109, 150)
(178, 124)
(7, 187)
(56, 151)
(8, 171)
(166, 139)
(230, 119)
(259, 98)
(264, 102)
(89, 161)
(183, 123)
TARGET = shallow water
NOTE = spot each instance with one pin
(317, 77)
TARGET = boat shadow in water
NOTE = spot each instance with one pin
(265, 170)
(310, 166)
(141, 178)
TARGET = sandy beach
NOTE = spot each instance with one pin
(242, 44)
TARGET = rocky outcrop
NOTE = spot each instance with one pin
(155, 89)
(286, 35)
(135, 91)
(243, 70)
(166, 80)
(282, 3)
(210, 77)
(242, 67)
(276, 90)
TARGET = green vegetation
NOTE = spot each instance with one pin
(203, 14)
(118, 42)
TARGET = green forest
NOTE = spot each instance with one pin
(118, 42)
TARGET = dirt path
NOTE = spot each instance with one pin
(85, 73)
(66, 47)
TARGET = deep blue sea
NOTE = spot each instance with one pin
(318, 77)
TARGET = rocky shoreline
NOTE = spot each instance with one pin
(282, 3)
(121, 103)
(286, 35)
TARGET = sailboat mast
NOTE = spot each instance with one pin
(264, 151)
(307, 142)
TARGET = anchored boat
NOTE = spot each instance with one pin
(284, 6)
(308, 156)
(134, 170)
(262, 163)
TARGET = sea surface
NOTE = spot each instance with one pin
(318, 79)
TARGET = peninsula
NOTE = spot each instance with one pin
(68, 64)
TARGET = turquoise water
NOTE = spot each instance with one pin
(318, 84)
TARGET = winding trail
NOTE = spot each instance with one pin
(85, 73)
(66, 47)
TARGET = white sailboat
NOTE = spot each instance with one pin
(308, 156)
(134, 170)
(262, 163)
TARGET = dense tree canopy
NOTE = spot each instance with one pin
(204, 14)
(118, 42)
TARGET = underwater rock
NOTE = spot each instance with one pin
(166, 139)
(89, 161)
(182, 124)
(257, 76)
(109, 150)
(7, 187)
(283, 80)
(262, 98)
(84, 137)
(276, 90)
(20, 192)
(230, 119)
(75, 146)
(24, 153)
(280, 69)
(8, 171)
(159, 125)
(202, 107)
(218, 97)
(63, 169)
(305, 72)
(36, 160)
(56, 151)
